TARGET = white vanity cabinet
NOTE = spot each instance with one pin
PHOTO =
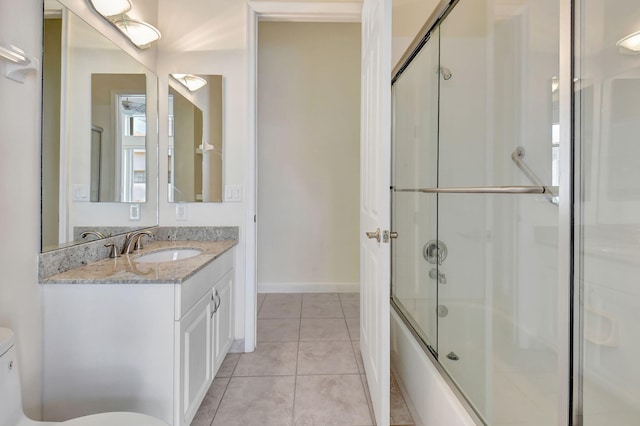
(147, 348)
(206, 334)
(222, 332)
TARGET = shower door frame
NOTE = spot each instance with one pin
(568, 353)
(566, 284)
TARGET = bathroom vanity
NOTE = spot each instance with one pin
(144, 336)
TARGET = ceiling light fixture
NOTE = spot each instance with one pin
(111, 7)
(140, 33)
(190, 81)
(630, 44)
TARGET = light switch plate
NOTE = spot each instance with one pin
(181, 211)
(134, 212)
(233, 193)
(80, 192)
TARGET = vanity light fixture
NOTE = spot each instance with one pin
(18, 63)
(630, 44)
(190, 81)
(140, 33)
(111, 7)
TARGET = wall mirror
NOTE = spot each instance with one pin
(99, 134)
(195, 138)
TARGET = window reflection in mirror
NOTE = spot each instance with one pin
(195, 141)
(119, 129)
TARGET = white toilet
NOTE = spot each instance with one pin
(11, 413)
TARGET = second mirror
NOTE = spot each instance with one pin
(195, 138)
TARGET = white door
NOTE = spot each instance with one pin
(375, 179)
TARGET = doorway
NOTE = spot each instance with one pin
(376, 38)
(308, 156)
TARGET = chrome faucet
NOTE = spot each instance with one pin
(98, 234)
(133, 241)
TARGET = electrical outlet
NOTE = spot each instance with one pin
(134, 212)
(181, 211)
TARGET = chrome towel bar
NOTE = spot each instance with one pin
(482, 190)
(550, 192)
(517, 157)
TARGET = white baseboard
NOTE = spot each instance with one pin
(309, 287)
(237, 346)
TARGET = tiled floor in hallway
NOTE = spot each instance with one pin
(306, 370)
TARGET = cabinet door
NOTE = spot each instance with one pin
(195, 353)
(223, 331)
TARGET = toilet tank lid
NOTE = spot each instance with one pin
(6, 340)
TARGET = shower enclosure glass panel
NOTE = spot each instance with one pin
(415, 117)
(493, 324)
(502, 266)
(607, 93)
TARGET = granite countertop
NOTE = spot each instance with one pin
(125, 270)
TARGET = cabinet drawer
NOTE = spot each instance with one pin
(189, 292)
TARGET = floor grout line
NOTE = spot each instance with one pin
(367, 395)
(225, 388)
(293, 375)
(295, 380)
(215, 412)
(357, 373)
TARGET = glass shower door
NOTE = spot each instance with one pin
(475, 268)
(414, 269)
(607, 90)
(497, 116)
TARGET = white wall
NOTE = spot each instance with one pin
(308, 155)
(209, 38)
(20, 296)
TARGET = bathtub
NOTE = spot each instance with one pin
(488, 362)
(431, 400)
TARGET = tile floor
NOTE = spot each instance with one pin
(306, 370)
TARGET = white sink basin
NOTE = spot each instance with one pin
(168, 255)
